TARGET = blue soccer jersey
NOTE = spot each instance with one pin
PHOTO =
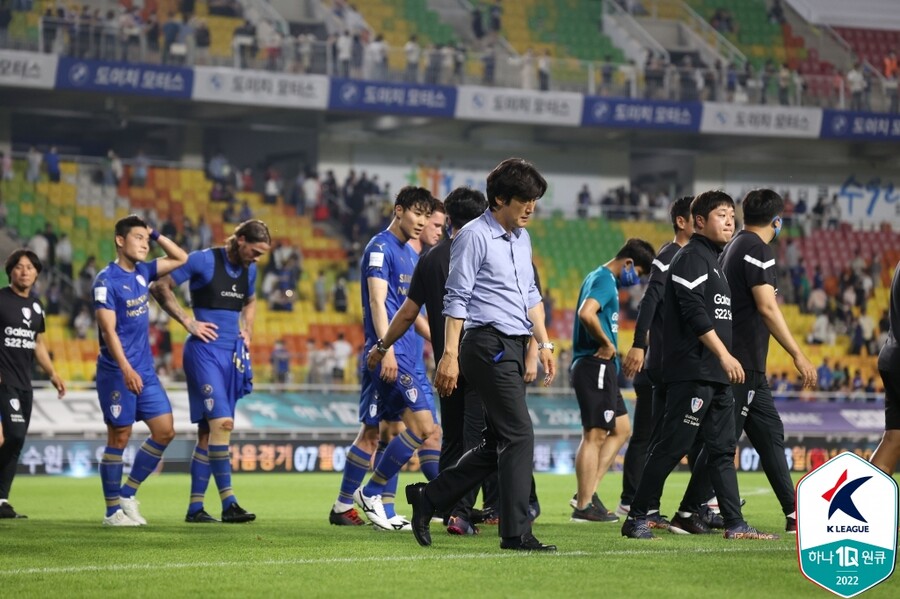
(200, 269)
(601, 286)
(388, 258)
(127, 294)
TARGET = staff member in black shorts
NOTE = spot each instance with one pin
(595, 367)
(888, 451)
(21, 341)
(699, 370)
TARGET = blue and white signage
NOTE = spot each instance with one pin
(519, 106)
(124, 78)
(262, 88)
(840, 124)
(764, 120)
(392, 98)
(641, 114)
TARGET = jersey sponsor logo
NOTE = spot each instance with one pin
(115, 397)
(100, 294)
(690, 284)
(376, 260)
(696, 404)
(141, 280)
(115, 410)
(406, 380)
(14, 404)
(759, 263)
(209, 402)
(412, 394)
(37, 308)
(233, 293)
(26, 316)
(608, 415)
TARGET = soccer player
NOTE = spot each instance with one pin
(748, 263)
(888, 451)
(427, 289)
(699, 370)
(595, 367)
(127, 386)
(648, 385)
(492, 293)
(22, 335)
(216, 357)
(393, 393)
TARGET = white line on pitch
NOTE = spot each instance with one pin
(346, 560)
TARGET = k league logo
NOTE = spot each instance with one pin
(847, 525)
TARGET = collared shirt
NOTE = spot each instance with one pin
(491, 280)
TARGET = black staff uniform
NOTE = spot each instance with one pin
(889, 360)
(698, 398)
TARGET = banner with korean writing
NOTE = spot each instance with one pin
(392, 98)
(216, 84)
(124, 78)
(840, 124)
(27, 69)
(641, 114)
(519, 106)
(763, 120)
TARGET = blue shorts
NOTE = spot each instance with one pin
(387, 401)
(427, 390)
(210, 373)
(120, 406)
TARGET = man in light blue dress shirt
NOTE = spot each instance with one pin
(492, 296)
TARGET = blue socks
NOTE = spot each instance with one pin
(145, 462)
(200, 473)
(354, 472)
(220, 465)
(428, 462)
(111, 478)
(397, 453)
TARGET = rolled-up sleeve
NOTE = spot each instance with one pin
(466, 254)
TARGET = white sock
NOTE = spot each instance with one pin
(340, 507)
(2, 501)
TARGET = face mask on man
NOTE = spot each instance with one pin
(776, 222)
(628, 277)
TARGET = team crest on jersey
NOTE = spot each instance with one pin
(209, 402)
(14, 404)
(696, 404)
(26, 316)
(207, 390)
(750, 395)
(412, 394)
(608, 415)
(115, 410)
(373, 410)
(36, 307)
(115, 397)
(140, 279)
(406, 380)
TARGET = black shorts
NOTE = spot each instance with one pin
(891, 380)
(15, 407)
(597, 391)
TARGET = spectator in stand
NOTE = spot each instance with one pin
(856, 83)
(526, 65)
(341, 352)
(825, 376)
(40, 245)
(376, 53)
(489, 64)
(51, 159)
(477, 23)
(63, 254)
(317, 362)
(433, 64)
(140, 169)
(584, 202)
(171, 29)
(344, 50)
(52, 240)
(543, 68)
(246, 213)
(785, 77)
(229, 215)
(840, 376)
(339, 295)
(281, 363)
(114, 169)
(83, 322)
(34, 160)
(202, 41)
(312, 194)
(320, 292)
(86, 276)
(272, 188)
(776, 13)
(817, 302)
(6, 167)
(867, 333)
(495, 17)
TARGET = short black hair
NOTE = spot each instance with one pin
(464, 204)
(17, 255)
(126, 224)
(411, 197)
(514, 178)
(708, 201)
(760, 206)
(640, 251)
(680, 207)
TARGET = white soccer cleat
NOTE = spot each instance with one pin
(373, 509)
(130, 507)
(119, 519)
(398, 522)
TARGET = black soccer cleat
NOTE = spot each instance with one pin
(347, 518)
(235, 514)
(7, 511)
(637, 528)
(790, 525)
(592, 513)
(688, 525)
(526, 542)
(201, 517)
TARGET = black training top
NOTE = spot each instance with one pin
(889, 358)
(428, 287)
(697, 300)
(650, 311)
(748, 262)
(21, 321)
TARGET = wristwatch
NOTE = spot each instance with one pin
(379, 346)
(548, 345)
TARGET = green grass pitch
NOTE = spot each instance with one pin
(292, 551)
